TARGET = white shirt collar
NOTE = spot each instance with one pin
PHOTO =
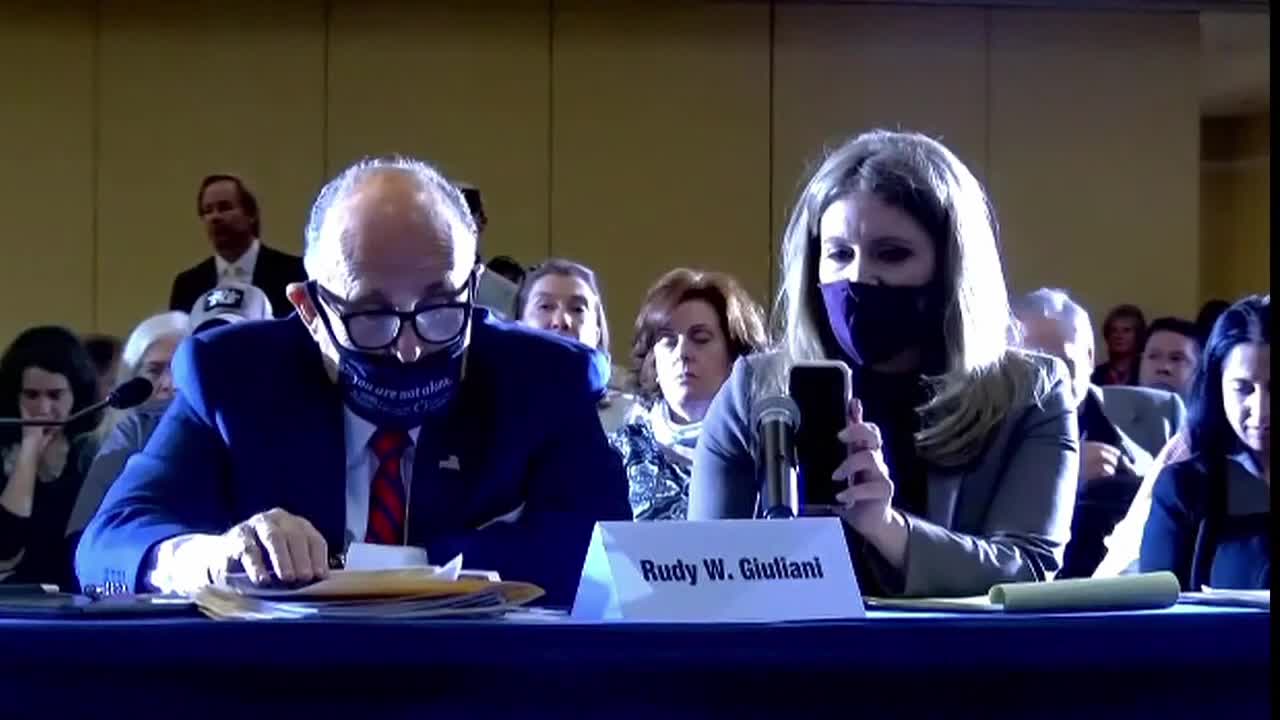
(243, 265)
(358, 432)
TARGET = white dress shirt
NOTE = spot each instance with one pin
(242, 268)
(361, 464)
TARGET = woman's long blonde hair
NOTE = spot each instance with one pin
(984, 377)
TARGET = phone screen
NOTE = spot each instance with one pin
(822, 391)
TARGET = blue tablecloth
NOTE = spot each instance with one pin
(1182, 662)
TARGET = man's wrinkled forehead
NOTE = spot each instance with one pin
(390, 225)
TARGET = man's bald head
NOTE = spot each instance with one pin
(387, 235)
(386, 210)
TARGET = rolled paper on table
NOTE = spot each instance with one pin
(1127, 592)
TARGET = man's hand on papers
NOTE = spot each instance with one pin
(274, 546)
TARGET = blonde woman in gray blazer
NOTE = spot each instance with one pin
(963, 450)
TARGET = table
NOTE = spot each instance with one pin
(1183, 662)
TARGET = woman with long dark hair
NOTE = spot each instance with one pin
(45, 374)
(1210, 521)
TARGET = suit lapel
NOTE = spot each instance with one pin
(328, 469)
(944, 491)
(321, 440)
(441, 496)
(208, 277)
(974, 485)
(1129, 416)
(436, 499)
(1136, 456)
(262, 274)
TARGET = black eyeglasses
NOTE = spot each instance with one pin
(438, 324)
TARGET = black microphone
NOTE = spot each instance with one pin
(775, 422)
(129, 394)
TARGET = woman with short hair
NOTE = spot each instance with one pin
(563, 297)
(690, 330)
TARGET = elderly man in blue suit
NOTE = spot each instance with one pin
(388, 409)
(1122, 428)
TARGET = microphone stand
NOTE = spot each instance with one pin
(129, 394)
(41, 422)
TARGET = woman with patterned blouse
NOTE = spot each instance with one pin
(691, 328)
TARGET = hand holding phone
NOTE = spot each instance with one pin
(867, 499)
(822, 390)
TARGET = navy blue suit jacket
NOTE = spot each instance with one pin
(1232, 495)
(257, 424)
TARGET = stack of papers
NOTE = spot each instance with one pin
(406, 593)
(1146, 591)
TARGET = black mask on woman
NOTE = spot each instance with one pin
(874, 323)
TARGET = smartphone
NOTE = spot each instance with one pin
(822, 389)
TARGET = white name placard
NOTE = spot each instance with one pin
(718, 571)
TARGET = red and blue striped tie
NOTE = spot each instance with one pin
(387, 491)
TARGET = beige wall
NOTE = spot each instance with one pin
(634, 136)
(1235, 195)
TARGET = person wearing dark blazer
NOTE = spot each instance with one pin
(1210, 519)
(229, 211)
(1122, 428)
(388, 411)
(962, 457)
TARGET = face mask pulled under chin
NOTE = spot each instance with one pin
(395, 395)
(875, 323)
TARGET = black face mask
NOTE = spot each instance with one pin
(874, 323)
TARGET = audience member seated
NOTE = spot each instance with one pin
(45, 374)
(104, 351)
(128, 434)
(1169, 356)
(149, 351)
(1125, 541)
(690, 330)
(1205, 319)
(963, 455)
(388, 396)
(1121, 427)
(233, 223)
(563, 297)
(1210, 521)
(1123, 331)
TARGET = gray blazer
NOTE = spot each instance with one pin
(1004, 518)
(127, 438)
(1145, 419)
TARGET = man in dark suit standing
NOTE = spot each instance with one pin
(1122, 428)
(389, 410)
(231, 219)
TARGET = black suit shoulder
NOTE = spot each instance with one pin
(189, 284)
(280, 258)
(1187, 481)
(273, 273)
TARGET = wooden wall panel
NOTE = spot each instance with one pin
(660, 145)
